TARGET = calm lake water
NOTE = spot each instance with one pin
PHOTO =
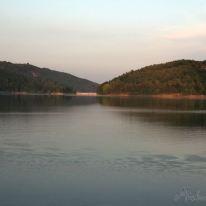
(101, 151)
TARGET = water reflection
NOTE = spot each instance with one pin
(168, 118)
(99, 151)
(153, 103)
(41, 103)
(182, 113)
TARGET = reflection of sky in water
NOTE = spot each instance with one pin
(76, 151)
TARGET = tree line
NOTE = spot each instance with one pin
(183, 76)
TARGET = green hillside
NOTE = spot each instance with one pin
(182, 77)
(29, 78)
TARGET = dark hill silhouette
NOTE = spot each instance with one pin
(29, 78)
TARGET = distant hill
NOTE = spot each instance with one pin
(29, 78)
(182, 77)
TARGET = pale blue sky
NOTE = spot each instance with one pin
(99, 39)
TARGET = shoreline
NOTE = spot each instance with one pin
(161, 96)
(92, 94)
(88, 94)
(35, 94)
(181, 96)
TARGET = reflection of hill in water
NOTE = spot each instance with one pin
(41, 103)
(154, 103)
(182, 113)
(170, 118)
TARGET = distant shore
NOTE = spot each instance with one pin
(180, 96)
(92, 94)
(86, 94)
(160, 96)
(48, 94)
(37, 94)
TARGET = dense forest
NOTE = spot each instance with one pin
(182, 77)
(29, 78)
(11, 82)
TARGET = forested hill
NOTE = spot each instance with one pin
(29, 78)
(182, 77)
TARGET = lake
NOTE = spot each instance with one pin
(102, 151)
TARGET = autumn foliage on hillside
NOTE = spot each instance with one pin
(183, 77)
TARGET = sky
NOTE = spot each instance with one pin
(101, 39)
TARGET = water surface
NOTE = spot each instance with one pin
(101, 151)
